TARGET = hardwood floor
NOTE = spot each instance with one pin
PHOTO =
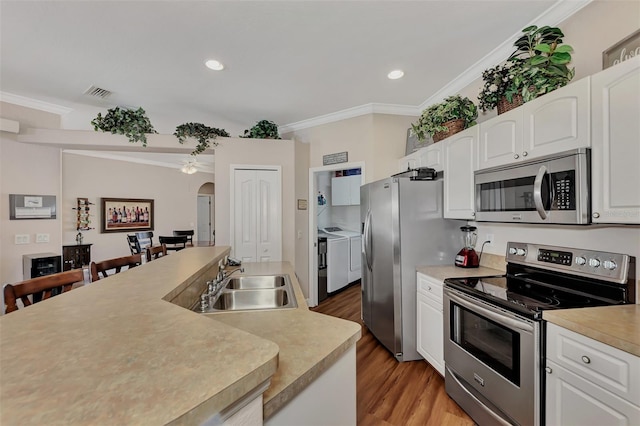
(390, 393)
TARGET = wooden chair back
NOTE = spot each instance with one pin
(101, 268)
(174, 243)
(145, 239)
(188, 234)
(134, 245)
(40, 286)
(155, 252)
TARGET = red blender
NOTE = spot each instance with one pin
(467, 257)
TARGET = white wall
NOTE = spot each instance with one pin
(174, 194)
(301, 216)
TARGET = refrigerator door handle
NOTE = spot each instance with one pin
(367, 239)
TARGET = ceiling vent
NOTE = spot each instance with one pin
(97, 92)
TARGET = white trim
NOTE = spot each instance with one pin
(11, 126)
(232, 186)
(34, 103)
(313, 227)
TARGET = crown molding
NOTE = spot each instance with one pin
(34, 103)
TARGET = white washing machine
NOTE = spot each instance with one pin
(355, 250)
(337, 261)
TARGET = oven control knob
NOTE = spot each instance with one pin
(593, 262)
(512, 250)
(521, 252)
(580, 260)
(610, 264)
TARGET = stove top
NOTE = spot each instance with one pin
(540, 280)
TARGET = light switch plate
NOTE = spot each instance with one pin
(42, 238)
(22, 239)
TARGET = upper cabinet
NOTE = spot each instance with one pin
(345, 190)
(459, 165)
(429, 156)
(555, 122)
(615, 144)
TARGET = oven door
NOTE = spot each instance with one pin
(492, 360)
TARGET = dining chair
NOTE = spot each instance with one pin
(155, 252)
(145, 239)
(134, 245)
(175, 242)
(188, 234)
(41, 286)
(102, 268)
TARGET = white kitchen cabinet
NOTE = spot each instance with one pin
(345, 190)
(555, 122)
(460, 161)
(409, 162)
(429, 321)
(429, 156)
(588, 382)
(615, 144)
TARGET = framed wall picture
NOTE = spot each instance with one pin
(23, 206)
(625, 49)
(413, 144)
(126, 215)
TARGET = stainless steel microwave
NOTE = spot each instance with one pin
(552, 189)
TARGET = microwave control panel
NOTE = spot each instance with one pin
(564, 189)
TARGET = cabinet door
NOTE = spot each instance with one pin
(615, 172)
(572, 400)
(340, 192)
(354, 189)
(500, 139)
(431, 156)
(409, 162)
(558, 121)
(429, 328)
(460, 163)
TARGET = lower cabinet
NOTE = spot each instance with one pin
(429, 339)
(588, 382)
(75, 256)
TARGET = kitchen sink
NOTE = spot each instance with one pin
(249, 293)
(255, 282)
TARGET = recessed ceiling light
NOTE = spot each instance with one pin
(395, 74)
(214, 65)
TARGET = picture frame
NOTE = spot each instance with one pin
(29, 207)
(138, 216)
(413, 144)
(626, 48)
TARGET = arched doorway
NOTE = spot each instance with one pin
(206, 219)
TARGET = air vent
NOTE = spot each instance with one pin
(97, 92)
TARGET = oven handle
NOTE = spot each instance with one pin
(537, 192)
(479, 403)
(501, 319)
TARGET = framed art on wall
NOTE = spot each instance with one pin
(23, 206)
(126, 215)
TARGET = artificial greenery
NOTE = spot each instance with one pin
(263, 129)
(454, 107)
(134, 124)
(538, 66)
(205, 135)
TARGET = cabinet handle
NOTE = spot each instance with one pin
(548, 370)
(596, 215)
(516, 156)
(586, 359)
(429, 287)
(525, 153)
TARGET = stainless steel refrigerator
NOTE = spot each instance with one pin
(402, 227)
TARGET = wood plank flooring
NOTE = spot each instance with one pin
(390, 393)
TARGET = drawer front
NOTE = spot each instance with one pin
(430, 287)
(608, 367)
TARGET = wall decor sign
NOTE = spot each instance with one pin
(126, 215)
(23, 206)
(336, 158)
(626, 48)
(302, 204)
(413, 144)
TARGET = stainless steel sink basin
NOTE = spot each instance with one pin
(250, 292)
(256, 281)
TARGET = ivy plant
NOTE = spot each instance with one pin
(433, 118)
(263, 129)
(134, 124)
(205, 135)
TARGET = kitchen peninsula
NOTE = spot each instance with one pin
(126, 350)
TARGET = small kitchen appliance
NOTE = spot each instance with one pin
(467, 257)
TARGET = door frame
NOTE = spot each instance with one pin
(232, 198)
(313, 226)
(210, 226)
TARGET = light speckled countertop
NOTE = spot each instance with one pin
(491, 264)
(617, 326)
(115, 352)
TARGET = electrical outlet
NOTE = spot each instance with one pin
(489, 238)
(22, 239)
(42, 238)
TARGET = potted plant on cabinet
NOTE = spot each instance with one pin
(205, 135)
(446, 118)
(134, 124)
(263, 129)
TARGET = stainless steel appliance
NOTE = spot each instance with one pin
(494, 332)
(402, 227)
(553, 189)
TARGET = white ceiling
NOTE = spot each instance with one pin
(286, 61)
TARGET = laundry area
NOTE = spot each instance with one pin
(338, 222)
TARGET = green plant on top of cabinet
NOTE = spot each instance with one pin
(133, 123)
(445, 118)
(263, 129)
(615, 144)
(205, 135)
